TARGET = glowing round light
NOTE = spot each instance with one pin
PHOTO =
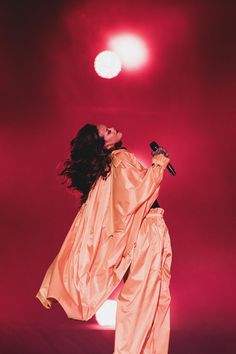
(106, 315)
(131, 49)
(107, 64)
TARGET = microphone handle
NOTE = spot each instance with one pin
(154, 146)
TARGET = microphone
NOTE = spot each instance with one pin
(154, 146)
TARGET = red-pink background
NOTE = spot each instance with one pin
(184, 99)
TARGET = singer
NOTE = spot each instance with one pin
(118, 233)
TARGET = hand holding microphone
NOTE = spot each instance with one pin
(160, 150)
(156, 149)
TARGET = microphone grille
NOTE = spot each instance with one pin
(153, 145)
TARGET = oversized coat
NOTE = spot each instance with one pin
(99, 245)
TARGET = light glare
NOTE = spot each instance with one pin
(131, 49)
(106, 315)
(107, 64)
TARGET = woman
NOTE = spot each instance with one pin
(119, 232)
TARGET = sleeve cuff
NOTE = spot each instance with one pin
(160, 160)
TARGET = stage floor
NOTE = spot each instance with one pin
(74, 337)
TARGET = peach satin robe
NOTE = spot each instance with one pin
(99, 245)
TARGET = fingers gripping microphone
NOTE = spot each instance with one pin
(154, 146)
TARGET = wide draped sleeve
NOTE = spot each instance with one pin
(133, 184)
(98, 248)
(133, 191)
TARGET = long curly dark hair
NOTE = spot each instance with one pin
(89, 159)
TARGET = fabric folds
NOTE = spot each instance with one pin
(99, 245)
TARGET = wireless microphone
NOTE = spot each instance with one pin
(154, 146)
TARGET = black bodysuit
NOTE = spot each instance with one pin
(155, 204)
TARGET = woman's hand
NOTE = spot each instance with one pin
(159, 151)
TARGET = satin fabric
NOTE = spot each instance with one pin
(99, 246)
(143, 306)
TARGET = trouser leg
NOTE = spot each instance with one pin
(157, 341)
(142, 307)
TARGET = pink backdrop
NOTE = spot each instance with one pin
(183, 99)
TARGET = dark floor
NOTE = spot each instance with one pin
(74, 337)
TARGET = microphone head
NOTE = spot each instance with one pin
(153, 145)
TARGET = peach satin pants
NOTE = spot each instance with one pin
(143, 307)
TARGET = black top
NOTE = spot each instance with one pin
(155, 204)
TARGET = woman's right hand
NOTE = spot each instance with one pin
(159, 151)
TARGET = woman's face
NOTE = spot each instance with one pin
(110, 135)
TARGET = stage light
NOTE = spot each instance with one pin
(131, 49)
(107, 64)
(106, 315)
